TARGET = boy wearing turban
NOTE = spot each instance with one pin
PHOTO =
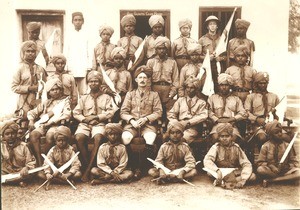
(54, 110)
(68, 81)
(241, 27)
(15, 155)
(118, 74)
(156, 23)
(112, 158)
(227, 154)
(33, 30)
(130, 42)
(165, 74)
(225, 107)
(78, 52)
(103, 49)
(190, 111)
(269, 159)
(191, 69)
(141, 109)
(59, 154)
(174, 155)
(209, 41)
(179, 46)
(25, 80)
(260, 104)
(242, 74)
(92, 111)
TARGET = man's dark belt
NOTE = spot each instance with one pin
(161, 83)
(238, 89)
(182, 57)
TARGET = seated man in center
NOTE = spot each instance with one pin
(92, 111)
(189, 111)
(141, 109)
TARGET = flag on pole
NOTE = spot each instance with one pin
(208, 88)
(40, 60)
(222, 45)
(137, 53)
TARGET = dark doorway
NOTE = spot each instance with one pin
(142, 26)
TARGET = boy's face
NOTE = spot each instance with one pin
(118, 60)
(241, 58)
(55, 92)
(61, 141)
(30, 54)
(212, 26)
(161, 51)
(175, 135)
(225, 138)
(277, 134)
(78, 22)
(113, 137)
(141, 80)
(190, 90)
(185, 30)
(105, 36)
(262, 86)
(157, 29)
(10, 136)
(224, 89)
(241, 31)
(195, 57)
(129, 29)
(94, 84)
(59, 65)
(34, 35)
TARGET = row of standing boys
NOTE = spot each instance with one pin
(148, 86)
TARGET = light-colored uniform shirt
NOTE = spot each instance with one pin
(165, 71)
(130, 46)
(136, 106)
(78, 53)
(59, 157)
(232, 156)
(179, 46)
(102, 55)
(47, 106)
(171, 159)
(232, 107)
(195, 114)
(208, 42)
(255, 107)
(120, 158)
(86, 107)
(121, 79)
(69, 86)
(22, 80)
(21, 158)
(236, 73)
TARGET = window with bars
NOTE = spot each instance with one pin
(223, 14)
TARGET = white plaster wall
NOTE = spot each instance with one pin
(268, 29)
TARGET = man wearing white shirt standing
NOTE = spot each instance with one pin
(77, 52)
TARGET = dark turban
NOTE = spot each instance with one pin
(62, 130)
(10, 125)
(261, 77)
(270, 126)
(243, 23)
(57, 57)
(113, 128)
(32, 26)
(143, 69)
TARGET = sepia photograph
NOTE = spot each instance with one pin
(161, 104)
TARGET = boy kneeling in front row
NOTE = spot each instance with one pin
(174, 155)
(112, 158)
